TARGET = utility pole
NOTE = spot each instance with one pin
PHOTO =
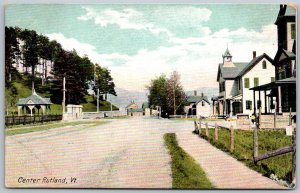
(110, 102)
(174, 99)
(98, 100)
(64, 95)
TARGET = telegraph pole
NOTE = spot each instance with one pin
(98, 100)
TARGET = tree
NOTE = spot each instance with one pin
(157, 93)
(12, 51)
(104, 81)
(30, 51)
(167, 93)
(175, 94)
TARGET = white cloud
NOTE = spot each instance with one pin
(86, 49)
(195, 58)
(125, 19)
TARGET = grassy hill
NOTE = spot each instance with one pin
(20, 89)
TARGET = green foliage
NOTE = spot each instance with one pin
(35, 50)
(268, 140)
(104, 81)
(186, 173)
(90, 105)
(163, 91)
(50, 125)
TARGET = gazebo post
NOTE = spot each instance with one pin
(19, 112)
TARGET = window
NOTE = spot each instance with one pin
(272, 79)
(239, 84)
(293, 31)
(247, 83)
(256, 81)
(249, 105)
(203, 104)
(264, 64)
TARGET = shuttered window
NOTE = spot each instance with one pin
(247, 83)
(293, 31)
(256, 81)
(249, 105)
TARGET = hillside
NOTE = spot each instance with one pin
(21, 89)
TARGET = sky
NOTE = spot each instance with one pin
(140, 42)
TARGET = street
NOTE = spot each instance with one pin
(123, 153)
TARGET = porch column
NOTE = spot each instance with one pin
(265, 101)
(259, 99)
(279, 100)
(30, 107)
(269, 104)
(231, 114)
(254, 102)
(19, 110)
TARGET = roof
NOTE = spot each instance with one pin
(290, 80)
(285, 11)
(253, 62)
(34, 99)
(132, 103)
(197, 99)
(240, 68)
(145, 105)
(135, 110)
(287, 54)
(231, 72)
(227, 53)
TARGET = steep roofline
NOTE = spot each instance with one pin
(257, 60)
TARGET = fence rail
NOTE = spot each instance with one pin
(18, 120)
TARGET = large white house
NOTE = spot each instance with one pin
(236, 78)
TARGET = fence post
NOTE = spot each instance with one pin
(216, 132)
(200, 126)
(294, 157)
(13, 118)
(255, 141)
(206, 129)
(231, 138)
(196, 126)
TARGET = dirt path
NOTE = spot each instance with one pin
(223, 171)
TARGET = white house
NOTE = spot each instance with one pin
(198, 106)
(236, 78)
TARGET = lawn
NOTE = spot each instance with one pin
(51, 125)
(186, 173)
(268, 140)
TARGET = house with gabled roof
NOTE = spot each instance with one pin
(236, 78)
(283, 88)
(198, 106)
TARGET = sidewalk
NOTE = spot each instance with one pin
(223, 171)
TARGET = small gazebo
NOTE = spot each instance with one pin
(34, 101)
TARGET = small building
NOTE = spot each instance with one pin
(34, 103)
(134, 110)
(198, 106)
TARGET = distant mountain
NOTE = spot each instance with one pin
(124, 97)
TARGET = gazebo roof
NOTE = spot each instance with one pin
(34, 99)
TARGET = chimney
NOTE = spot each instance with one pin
(202, 94)
(195, 93)
(254, 54)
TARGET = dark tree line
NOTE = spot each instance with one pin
(33, 49)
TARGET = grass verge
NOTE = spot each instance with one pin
(186, 173)
(51, 125)
(268, 140)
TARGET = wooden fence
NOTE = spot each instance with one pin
(18, 120)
